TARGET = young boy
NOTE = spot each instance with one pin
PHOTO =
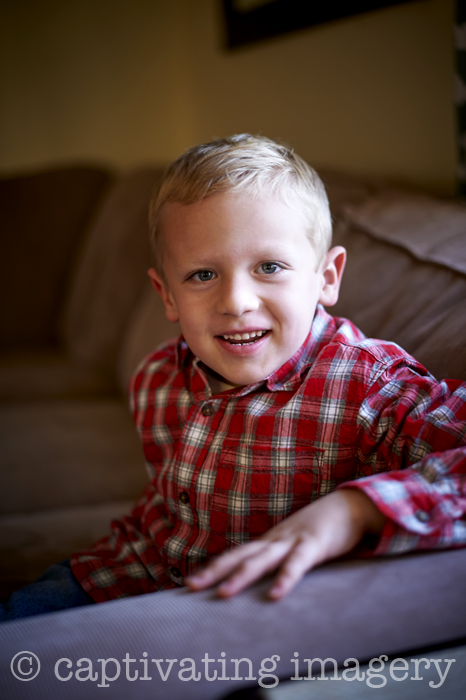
(267, 404)
(276, 436)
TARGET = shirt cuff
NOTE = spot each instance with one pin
(422, 511)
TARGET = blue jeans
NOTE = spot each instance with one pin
(56, 589)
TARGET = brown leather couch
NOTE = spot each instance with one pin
(74, 253)
(77, 314)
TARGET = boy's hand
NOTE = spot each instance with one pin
(325, 529)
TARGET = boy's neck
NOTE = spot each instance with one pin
(217, 383)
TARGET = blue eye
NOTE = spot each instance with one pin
(204, 275)
(269, 268)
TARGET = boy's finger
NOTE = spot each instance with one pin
(302, 559)
(221, 566)
(254, 567)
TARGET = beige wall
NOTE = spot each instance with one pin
(131, 82)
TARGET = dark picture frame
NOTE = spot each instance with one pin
(249, 22)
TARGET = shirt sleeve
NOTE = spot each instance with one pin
(412, 456)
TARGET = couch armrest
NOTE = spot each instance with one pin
(351, 608)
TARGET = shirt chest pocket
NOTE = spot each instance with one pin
(257, 486)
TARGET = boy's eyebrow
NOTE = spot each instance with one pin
(263, 255)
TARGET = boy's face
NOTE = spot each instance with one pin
(243, 280)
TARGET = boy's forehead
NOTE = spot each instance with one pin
(224, 229)
(233, 208)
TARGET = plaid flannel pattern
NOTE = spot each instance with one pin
(344, 411)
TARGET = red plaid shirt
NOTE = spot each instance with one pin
(226, 468)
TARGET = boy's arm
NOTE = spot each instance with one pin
(412, 432)
(407, 418)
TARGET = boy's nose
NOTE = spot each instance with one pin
(236, 297)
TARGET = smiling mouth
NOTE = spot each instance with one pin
(244, 338)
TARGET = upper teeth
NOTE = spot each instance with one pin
(245, 336)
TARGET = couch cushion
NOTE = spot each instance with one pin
(111, 271)
(60, 453)
(433, 230)
(43, 218)
(406, 276)
(148, 328)
(30, 542)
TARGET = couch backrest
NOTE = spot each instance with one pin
(110, 272)
(43, 216)
(406, 275)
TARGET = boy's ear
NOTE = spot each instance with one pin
(171, 310)
(332, 271)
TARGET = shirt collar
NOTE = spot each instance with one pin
(285, 378)
(288, 376)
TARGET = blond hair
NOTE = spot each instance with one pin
(244, 163)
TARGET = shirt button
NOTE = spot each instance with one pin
(184, 497)
(207, 409)
(175, 572)
(422, 516)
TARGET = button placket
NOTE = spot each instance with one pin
(195, 431)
